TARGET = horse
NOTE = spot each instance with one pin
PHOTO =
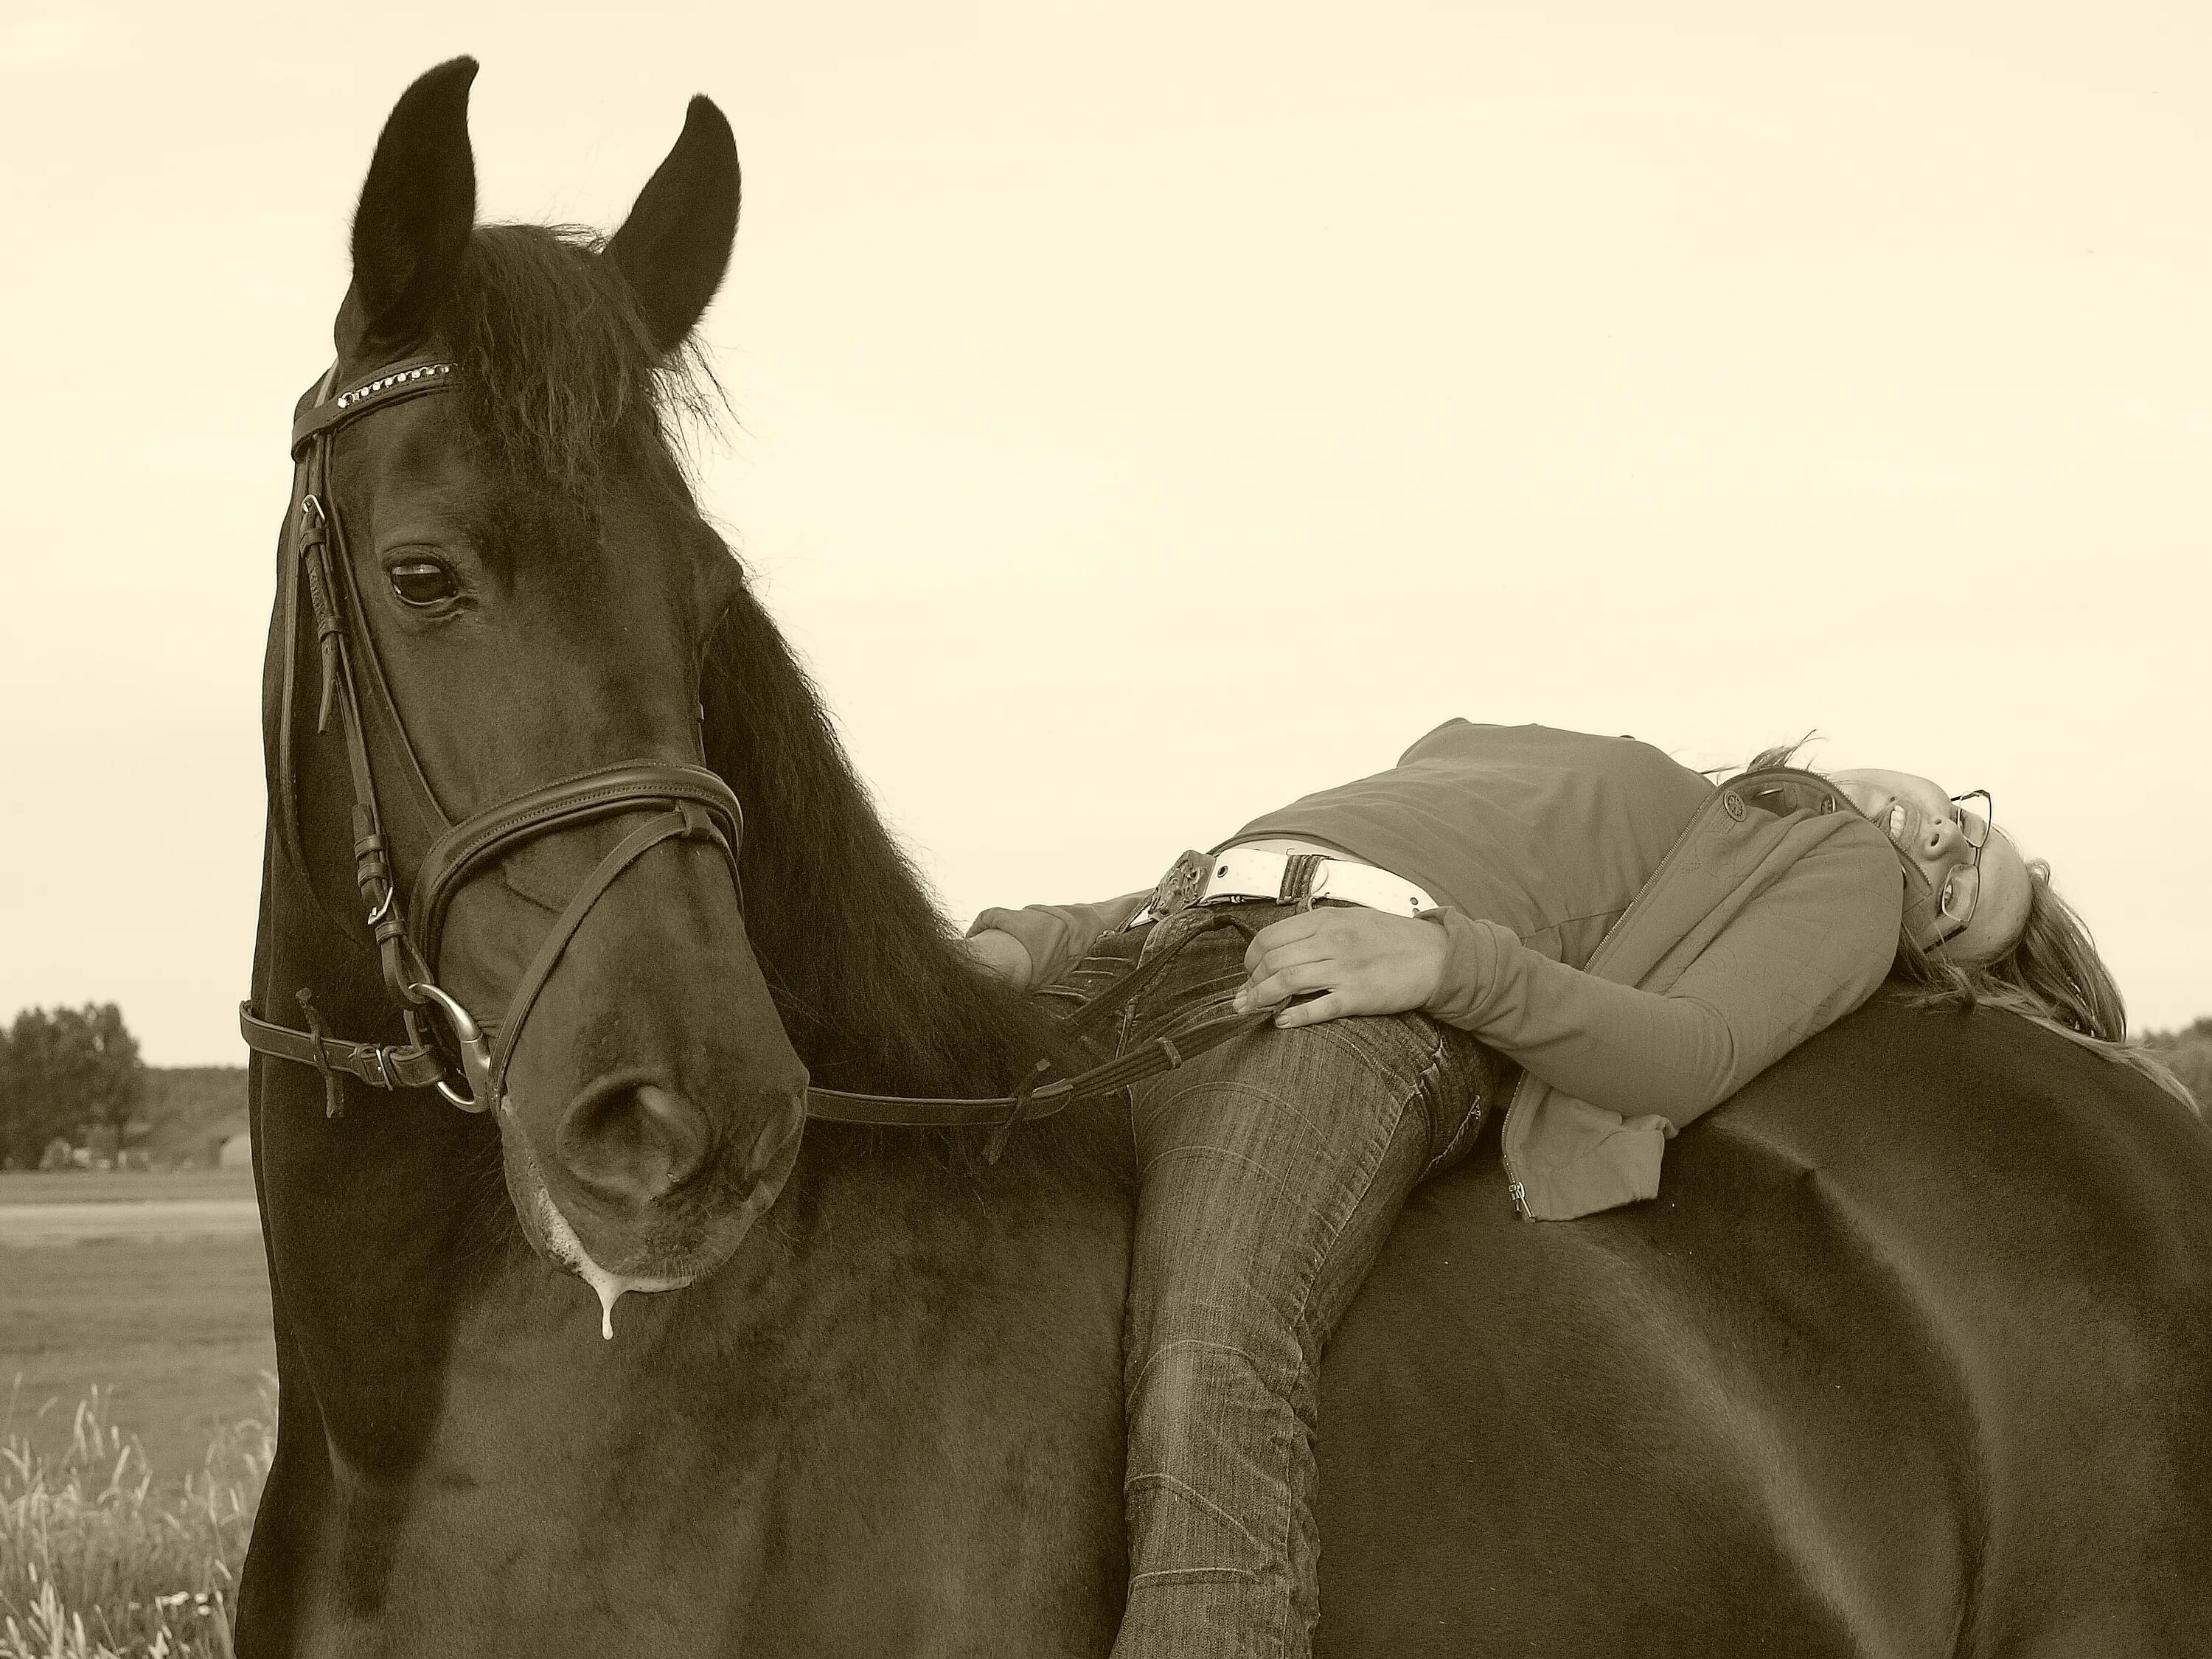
(1913, 1355)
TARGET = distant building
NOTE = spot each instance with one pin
(216, 1140)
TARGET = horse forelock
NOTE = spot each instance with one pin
(562, 382)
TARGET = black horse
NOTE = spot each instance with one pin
(1913, 1357)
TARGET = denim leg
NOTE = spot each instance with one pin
(1271, 1170)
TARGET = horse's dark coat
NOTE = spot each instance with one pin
(1912, 1356)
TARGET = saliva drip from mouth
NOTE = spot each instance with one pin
(610, 1287)
(562, 1243)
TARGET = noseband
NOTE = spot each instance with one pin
(697, 806)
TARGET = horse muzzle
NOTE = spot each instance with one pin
(635, 1184)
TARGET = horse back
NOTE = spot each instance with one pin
(1913, 1354)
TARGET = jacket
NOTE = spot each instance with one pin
(1566, 1157)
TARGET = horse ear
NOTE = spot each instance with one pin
(675, 246)
(417, 209)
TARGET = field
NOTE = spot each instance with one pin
(128, 1186)
(127, 1366)
(176, 1330)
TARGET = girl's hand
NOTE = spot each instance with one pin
(1369, 962)
(1002, 954)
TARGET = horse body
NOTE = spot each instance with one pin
(1910, 1356)
(1827, 1396)
(1914, 1355)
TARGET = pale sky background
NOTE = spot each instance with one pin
(1148, 413)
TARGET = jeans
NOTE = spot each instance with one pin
(1270, 1171)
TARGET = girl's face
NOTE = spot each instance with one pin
(1931, 832)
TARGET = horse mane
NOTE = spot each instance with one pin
(872, 988)
(561, 380)
(562, 385)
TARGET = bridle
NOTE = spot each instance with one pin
(699, 806)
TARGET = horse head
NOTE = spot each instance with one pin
(526, 592)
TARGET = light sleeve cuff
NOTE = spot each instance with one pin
(1473, 950)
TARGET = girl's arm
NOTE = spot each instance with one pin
(1809, 949)
(1053, 937)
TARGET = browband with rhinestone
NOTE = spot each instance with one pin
(393, 385)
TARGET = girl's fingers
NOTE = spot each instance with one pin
(1276, 935)
(1266, 991)
(1314, 1012)
(1298, 953)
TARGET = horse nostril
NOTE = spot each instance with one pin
(635, 1144)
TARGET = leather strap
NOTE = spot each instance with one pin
(318, 537)
(385, 1065)
(395, 385)
(1039, 1098)
(1162, 1053)
(690, 820)
(604, 792)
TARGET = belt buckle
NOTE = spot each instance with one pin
(1182, 886)
(374, 1069)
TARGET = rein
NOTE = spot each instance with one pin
(698, 806)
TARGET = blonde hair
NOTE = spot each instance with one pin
(2050, 975)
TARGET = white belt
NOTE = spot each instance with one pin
(1254, 873)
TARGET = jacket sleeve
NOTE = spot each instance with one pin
(1057, 935)
(1812, 947)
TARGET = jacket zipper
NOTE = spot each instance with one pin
(1514, 1188)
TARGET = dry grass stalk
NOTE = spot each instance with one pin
(97, 1562)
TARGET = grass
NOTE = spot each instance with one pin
(126, 1508)
(112, 1186)
(176, 1331)
(100, 1560)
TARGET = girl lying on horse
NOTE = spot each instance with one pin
(1575, 927)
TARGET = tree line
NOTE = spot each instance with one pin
(75, 1074)
(2189, 1051)
(69, 1074)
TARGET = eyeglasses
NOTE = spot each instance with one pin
(1955, 905)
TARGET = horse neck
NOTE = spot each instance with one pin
(873, 997)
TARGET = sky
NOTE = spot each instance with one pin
(1145, 414)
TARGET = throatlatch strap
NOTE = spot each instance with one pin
(387, 1066)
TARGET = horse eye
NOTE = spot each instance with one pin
(423, 582)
